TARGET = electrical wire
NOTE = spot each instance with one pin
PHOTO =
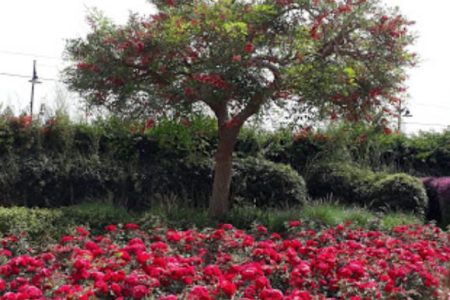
(28, 77)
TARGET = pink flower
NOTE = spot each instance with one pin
(295, 223)
(132, 226)
(2, 285)
(271, 294)
(199, 293)
(140, 291)
(262, 229)
(228, 287)
(111, 228)
(67, 239)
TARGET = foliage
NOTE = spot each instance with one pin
(423, 154)
(166, 60)
(130, 164)
(352, 184)
(344, 181)
(37, 223)
(43, 224)
(400, 192)
(48, 224)
(95, 215)
(262, 183)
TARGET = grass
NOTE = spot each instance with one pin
(317, 213)
(96, 215)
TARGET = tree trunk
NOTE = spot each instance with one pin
(220, 203)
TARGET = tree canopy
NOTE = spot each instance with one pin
(342, 58)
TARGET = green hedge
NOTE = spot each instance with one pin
(41, 224)
(255, 181)
(400, 192)
(266, 184)
(356, 185)
(54, 182)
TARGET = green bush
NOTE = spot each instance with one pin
(263, 183)
(346, 182)
(42, 224)
(400, 192)
(37, 223)
(96, 215)
(355, 185)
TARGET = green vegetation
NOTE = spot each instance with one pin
(60, 163)
(42, 224)
(356, 185)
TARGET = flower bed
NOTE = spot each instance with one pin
(343, 262)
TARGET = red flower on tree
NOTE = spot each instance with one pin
(249, 47)
(150, 123)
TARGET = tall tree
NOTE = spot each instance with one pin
(339, 58)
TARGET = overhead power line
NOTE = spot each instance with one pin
(26, 76)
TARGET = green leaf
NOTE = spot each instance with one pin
(236, 27)
(350, 72)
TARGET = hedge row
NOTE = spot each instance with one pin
(427, 154)
(54, 182)
(355, 185)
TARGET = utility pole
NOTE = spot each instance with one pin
(34, 80)
(402, 112)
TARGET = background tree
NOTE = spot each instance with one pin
(330, 58)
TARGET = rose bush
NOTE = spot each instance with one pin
(343, 262)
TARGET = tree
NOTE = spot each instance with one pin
(336, 58)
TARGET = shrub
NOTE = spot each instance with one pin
(37, 223)
(96, 215)
(85, 139)
(42, 224)
(345, 182)
(189, 180)
(255, 181)
(400, 192)
(267, 184)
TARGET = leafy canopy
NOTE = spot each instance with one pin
(330, 57)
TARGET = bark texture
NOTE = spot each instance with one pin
(220, 200)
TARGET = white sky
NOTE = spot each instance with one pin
(41, 27)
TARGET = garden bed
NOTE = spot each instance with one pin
(127, 262)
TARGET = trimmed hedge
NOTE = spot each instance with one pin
(400, 192)
(268, 184)
(256, 182)
(343, 181)
(41, 223)
(355, 185)
(54, 182)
